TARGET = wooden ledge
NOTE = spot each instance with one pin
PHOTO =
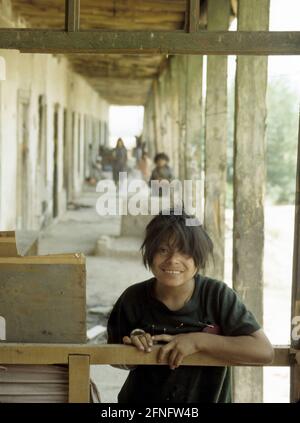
(113, 354)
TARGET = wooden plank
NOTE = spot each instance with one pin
(8, 247)
(7, 234)
(295, 311)
(249, 180)
(72, 15)
(77, 258)
(139, 42)
(79, 379)
(218, 13)
(16, 353)
(192, 15)
(43, 299)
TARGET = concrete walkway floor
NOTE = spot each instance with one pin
(107, 277)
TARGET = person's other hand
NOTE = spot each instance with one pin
(143, 342)
(176, 348)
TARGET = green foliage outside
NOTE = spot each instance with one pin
(281, 143)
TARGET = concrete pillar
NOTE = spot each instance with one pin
(218, 13)
(249, 181)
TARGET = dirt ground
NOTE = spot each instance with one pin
(107, 277)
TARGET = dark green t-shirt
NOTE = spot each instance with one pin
(212, 303)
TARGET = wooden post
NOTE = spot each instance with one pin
(156, 116)
(218, 14)
(182, 88)
(192, 15)
(192, 158)
(169, 131)
(174, 80)
(193, 116)
(148, 131)
(249, 180)
(79, 378)
(295, 369)
(72, 15)
(151, 135)
(163, 112)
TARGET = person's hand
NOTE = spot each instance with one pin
(176, 348)
(143, 341)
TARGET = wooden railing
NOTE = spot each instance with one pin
(79, 357)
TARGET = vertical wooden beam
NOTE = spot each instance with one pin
(151, 135)
(192, 15)
(182, 88)
(168, 94)
(295, 369)
(249, 181)
(79, 378)
(193, 162)
(72, 15)
(156, 116)
(163, 112)
(218, 13)
(175, 113)
(193, 116)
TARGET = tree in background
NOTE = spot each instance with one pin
(282, 137)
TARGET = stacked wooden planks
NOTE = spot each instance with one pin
(42, 299)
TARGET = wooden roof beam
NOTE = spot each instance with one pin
(139, 42)
(72, 15)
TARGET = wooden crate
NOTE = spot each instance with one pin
(8, 246)
(43, 298)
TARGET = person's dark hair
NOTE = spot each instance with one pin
(161, 156)
(172, 229)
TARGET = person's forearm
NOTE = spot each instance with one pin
(235, 349)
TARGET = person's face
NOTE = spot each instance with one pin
(161, 162)
(171, 267)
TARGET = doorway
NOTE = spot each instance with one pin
(23, 172)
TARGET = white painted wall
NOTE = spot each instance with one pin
(40, 74)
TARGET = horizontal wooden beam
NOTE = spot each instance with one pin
(128, 42)
(12, 353)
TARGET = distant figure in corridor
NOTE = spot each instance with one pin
(162, 173)
(162, 169)
(119, 160)
(138, 150)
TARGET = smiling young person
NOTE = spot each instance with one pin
(188, 313)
